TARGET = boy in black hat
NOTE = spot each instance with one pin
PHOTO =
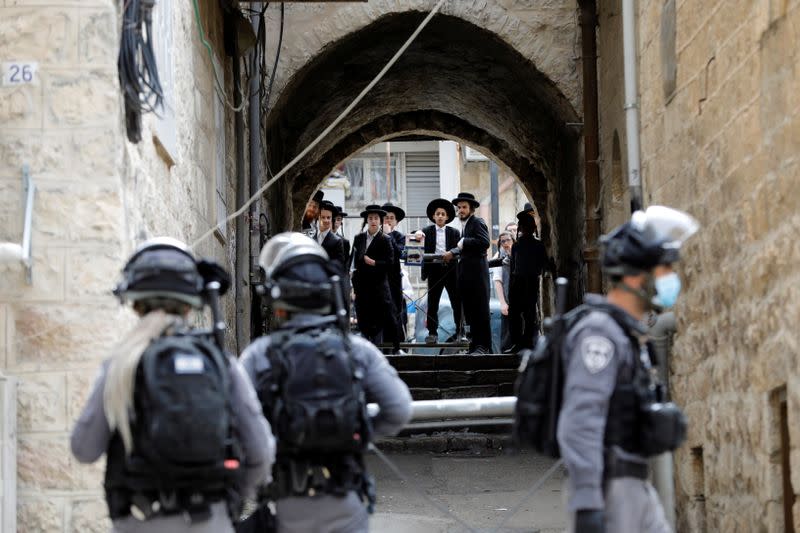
(311, 214)
(394, 214)
(327, 238)
(337, 228)
(473, 272)
(528, 261)
(438, 238)
(372, 258)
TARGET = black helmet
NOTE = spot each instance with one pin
(162, 268)
(651, 238)
(298, 276)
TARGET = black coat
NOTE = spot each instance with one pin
(370, 283)
(473, 253)
(451, 237)
(333, 245)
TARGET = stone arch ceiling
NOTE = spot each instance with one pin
(457, 79)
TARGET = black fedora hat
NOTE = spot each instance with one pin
(466, 197)
(389, 207)
(526, 213)
(318, 195)
(327, 204)
(444, 204)
(340, 212)
(373, 208)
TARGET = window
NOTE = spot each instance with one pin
(165, 137)
(369, 182)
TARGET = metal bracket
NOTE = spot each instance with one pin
(29, 190)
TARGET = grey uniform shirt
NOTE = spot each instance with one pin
(381, 382)
(91, 434)
(596, 353)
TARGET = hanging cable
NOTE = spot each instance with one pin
(243, 209)
(136, 64)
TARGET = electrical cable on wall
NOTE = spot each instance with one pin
(136, 63)
(244, 207)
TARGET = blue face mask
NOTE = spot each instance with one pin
(667, 289)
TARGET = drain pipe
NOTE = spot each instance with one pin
(591, 143)
(240, 265)
(631, 102)
(663, 466)
(254, 111)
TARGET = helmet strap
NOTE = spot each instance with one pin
(645, 294)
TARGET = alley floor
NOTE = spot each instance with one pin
(479, 489)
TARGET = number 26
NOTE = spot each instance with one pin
(21, 74)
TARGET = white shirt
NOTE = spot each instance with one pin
(369, 238)
(321, 235)
(441, 240)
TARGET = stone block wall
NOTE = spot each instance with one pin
(97, 196)
(720, 117)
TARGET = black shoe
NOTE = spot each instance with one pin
(479, 350)
(431, 339)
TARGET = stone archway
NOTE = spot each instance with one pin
(457, 80)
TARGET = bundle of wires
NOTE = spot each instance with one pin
(138, 72)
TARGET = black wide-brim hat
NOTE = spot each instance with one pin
(444, 204)
(327, 204)
(389, 207)
(373, 208)
(526, 213)
(340, 212)
(466, 197)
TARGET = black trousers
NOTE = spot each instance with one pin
(522, 313)
(439, 279)
(473, 285)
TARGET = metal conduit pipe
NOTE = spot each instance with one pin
(663, 465)
(631, 102)
(254, 112)
(461, 408)
(240, 266)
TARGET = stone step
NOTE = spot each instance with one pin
(454, 378)
(453, 362)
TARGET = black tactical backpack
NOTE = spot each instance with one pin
(183, 424)
(313, 394)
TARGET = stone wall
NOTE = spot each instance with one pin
(97, 196)
(720, 117)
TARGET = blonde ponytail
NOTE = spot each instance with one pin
(118, 391)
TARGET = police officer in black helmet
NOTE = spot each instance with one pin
(183, 468)
(313, 379)
(614, 415)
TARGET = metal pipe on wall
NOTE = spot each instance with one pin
(495, 195)
(631, 102)
(240, 264)
(254, 111)
(588, 22)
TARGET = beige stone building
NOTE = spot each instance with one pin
(718, 84)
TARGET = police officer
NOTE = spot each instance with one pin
(325, 493)
(164, 283)
(612, 418)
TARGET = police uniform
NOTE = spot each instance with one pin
(163, 280)
(595, 432)
(91, 438)
(323, 513)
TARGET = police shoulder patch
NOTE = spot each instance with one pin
(596, 353)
